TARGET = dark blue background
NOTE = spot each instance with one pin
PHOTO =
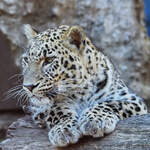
(147, 15)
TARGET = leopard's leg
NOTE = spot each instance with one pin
(63, 125)
(39, 109)
(39, 115)
(103, 117)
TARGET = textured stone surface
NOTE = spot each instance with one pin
(115, 25)
(131, 134)
(6, 118)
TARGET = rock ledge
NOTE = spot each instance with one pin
(131, 134)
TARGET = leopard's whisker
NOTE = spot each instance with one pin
(12, 94)
(20, 97)
(14, 89)
(24, 98)
(15, 75)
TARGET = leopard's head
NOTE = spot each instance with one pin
(53, 61)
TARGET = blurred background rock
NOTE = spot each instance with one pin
(116, 26)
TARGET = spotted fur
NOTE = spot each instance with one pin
(72, 86)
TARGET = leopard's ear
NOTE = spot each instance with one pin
(74, 36)
(29, 32)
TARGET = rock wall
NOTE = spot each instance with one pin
(115, 25)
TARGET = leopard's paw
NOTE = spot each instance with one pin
(93, 127)
(98, 125)
(63, 135)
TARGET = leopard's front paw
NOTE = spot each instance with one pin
(61, 135)
(98, 125)
(93, 127)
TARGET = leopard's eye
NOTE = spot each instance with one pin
(48, 60)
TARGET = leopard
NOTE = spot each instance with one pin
(73, 88)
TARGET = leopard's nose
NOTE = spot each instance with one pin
(30, 87)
